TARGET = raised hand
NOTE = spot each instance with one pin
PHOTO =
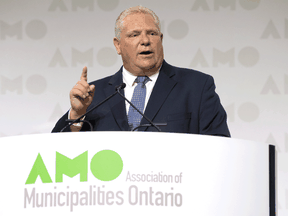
(81, 96)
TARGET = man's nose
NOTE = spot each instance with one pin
(145, 40)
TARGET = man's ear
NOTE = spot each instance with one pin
(116, 42)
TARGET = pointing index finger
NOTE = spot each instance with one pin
(84, 74)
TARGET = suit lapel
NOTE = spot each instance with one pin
(161, 91)
(117, 103)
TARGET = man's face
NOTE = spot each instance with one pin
(140, 44)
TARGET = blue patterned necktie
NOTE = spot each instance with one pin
(138, 100)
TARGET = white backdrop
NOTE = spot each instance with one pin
(243, 44)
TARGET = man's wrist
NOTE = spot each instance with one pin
(72, 116)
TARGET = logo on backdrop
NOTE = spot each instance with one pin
(35, 29)
(275, 85)
(220, 4)
(106, 5)
(106, 57)
(275, 31)
(35, 84)
(247, 56)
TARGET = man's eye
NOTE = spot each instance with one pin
(133, 35)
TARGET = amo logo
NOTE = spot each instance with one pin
(106, 165)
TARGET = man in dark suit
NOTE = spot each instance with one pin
(183, 98)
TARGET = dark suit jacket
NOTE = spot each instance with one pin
(183, 98)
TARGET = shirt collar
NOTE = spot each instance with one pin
(129, 78)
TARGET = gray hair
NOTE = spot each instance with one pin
(131, 10)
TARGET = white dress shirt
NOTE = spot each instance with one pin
(128, 79)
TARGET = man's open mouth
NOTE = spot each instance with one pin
(146, 52)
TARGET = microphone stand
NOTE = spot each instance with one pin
(78, 119)
(154, 125)
(148, 125)
(122, 86)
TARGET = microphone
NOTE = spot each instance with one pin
(142, 114)
(117, 89)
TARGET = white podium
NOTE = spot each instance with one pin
(135, 173)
